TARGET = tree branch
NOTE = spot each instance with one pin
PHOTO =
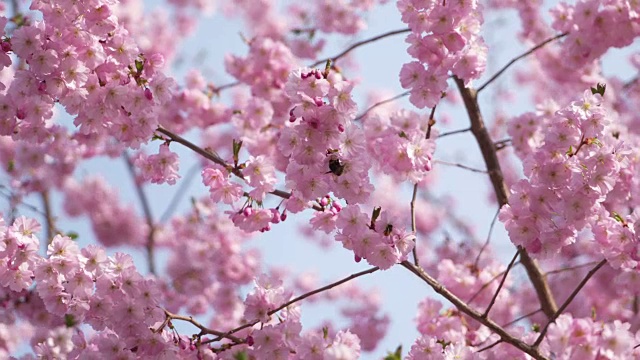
(414, 251)
(568, 301)
(466, 309)
(147, 215)
(453, 132)
(488, 150)
(335, 58)
(203, 329)
(292, 301)
(460, 166)
(504, 278)
(513, 61)
(380, 103)
(213, 157)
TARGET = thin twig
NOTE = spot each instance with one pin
(485, 285)
(218, 89)
(453, 132)
(486, 242)
(203, 329)
(301, 297)
(504, 278)
(335, 58)
(182, 190)
(460, 166)
(568, 301)
(488, 150)
(213, 157)
(147, 214)
(380, 103)
(522, 317)
(413, 224)
(463, 307)
(490, 346)
(513, 61)
(557, 271)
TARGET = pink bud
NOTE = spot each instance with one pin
(340, 127)
(247, 211)
(6, 46)
(324, 201)
(148, 94)
(357, 258)
(250, 340)
(318, 74)
(275, 216)
(283, 217)
(336, 206)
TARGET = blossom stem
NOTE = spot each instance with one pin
(380, 103)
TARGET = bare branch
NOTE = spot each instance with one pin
(203, 329)
(522, 317)
(413, 224)
(453, 132)
(557, 271)
(486, 242)
(182, 190)
(568, 301)
(460, 166)
(513, 61)
(335, 58)
(50, 228)
(466, 309)
(301, 297)
(147, 214)
(504, 278)
(380, 103)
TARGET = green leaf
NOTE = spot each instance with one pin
(72, 235)
(396, 355)
(240, 356)
(69, 320)
(139, 66)
(599, 89)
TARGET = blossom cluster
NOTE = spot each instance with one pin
(444, 38)
(576, 164)
(325, 148)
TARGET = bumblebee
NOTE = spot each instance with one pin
(336, 166)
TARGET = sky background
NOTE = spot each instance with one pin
(378, 67)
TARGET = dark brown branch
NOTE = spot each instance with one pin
(213, 157)
(147, 215)
(292, 301)
(380, 103)
(203, 329)
(485, 285)
(453, 132)
(466, 309)
(513, 61)
(576, 267)
(490, 346)
(488, 150)
(521, 317)
(504, 278)
(335, 58)
(568, 301)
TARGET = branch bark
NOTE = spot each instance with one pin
(547, 302)
(466, 309)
